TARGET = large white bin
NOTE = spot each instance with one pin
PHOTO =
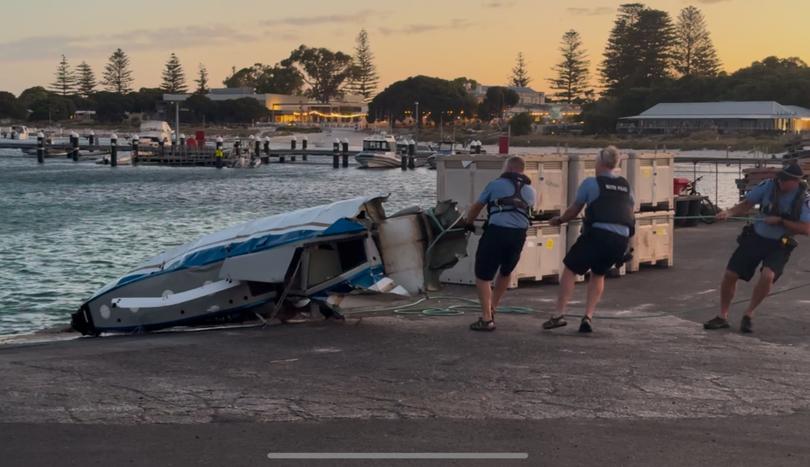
(650, 176)
(654, 242)
(462, 178)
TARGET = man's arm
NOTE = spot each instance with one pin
(796, 227)
(571, 213)
(743, 208)
(473, 212)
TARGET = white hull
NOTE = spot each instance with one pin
(378, 161)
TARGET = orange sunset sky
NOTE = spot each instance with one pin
(445, 38)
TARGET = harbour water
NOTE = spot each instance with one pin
(68, 228)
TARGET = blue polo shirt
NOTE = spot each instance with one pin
(761, 194)
(588, 192)
(502, 188)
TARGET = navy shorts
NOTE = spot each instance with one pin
(597, 251)
(498, 250)
(754, 250)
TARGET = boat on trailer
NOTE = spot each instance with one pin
(325, 255)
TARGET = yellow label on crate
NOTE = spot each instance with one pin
(662, 231)
(647, 171)
(550, 244)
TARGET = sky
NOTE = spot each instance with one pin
(478, 39)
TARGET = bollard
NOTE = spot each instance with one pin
(75, 144)
(293, 143)
(257, 148)
(113, 150)
(336, 154)
(345, 152)
(237, 148)
(404, 160)
(174, 143)
(304, 148)
(162, 148)
(267, 145)
(182, 145)
(92, 138)
(40, 148)
(135, 141)
(411, 154)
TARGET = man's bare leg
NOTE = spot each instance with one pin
(567, 283)
(596, 286)
(501, 284)
(728, 287)
(761, 290)
(485, 298)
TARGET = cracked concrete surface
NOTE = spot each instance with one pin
(662, 369)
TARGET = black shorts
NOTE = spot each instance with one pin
(753, 250)
(597, 251)
(498, 249)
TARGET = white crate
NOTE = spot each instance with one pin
(541, 258)
(462, 178)
(654, 241)
(650, 176)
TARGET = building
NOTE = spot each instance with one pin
(720, 117)
(527, 96)
(286, 108)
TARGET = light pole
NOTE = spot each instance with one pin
(417, 120)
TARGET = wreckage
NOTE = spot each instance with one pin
(321, 255)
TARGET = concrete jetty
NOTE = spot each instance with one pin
(649, 387)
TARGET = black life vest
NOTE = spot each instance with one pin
(515, 202)
(771, 208)
(613, 206)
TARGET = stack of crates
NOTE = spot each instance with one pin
(462, 178)
(580, 167)
(650, 175)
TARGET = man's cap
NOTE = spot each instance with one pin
(792, 170)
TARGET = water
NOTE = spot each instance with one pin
(66, 229)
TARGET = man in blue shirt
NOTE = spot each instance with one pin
(608, 225)
(784, 212)
(509, 200)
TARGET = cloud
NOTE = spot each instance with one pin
(79, 47)
(593, 11)
(499, 4)
(341, 18)
(455, 24)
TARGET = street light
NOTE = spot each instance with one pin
(417, 119)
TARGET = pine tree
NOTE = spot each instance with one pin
(85, 80)
(365, 79)
(520, 75)
(694, 53)
(571, 82)
(202, 80)
(117, 75)
(174, 79)
(639, 49)
(65, 78)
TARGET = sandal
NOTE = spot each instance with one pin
(482, 325)
(585, 325)
(555, 322)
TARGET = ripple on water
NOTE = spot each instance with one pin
(68, 229)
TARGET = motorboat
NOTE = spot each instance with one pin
(16, 132)
(329, 256)
(152, 132)
(379, 152)
(443, 149)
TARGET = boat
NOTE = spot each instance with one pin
(152, 132)
(17, 132)
(444, 149)
(379, 152)
(328, 256)
(246, 162)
